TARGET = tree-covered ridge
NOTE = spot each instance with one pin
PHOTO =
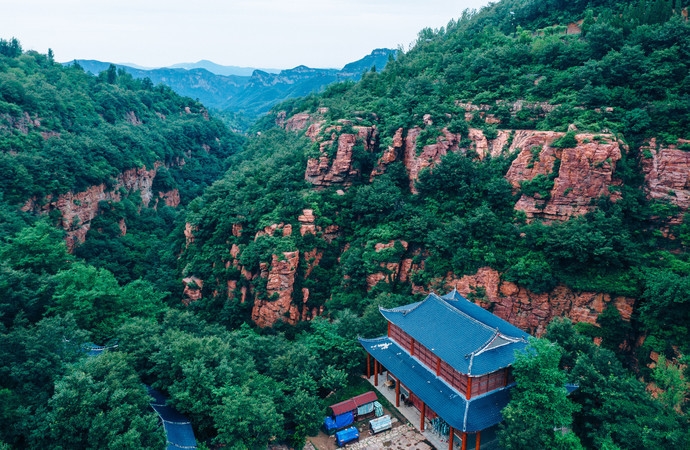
(116, 286)
(636, 65)
(64, 130)
(463, 217)
(64, 133)
(622, 75)
(211, 364)
(240, 388)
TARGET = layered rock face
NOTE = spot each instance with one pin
(192, 289)
(281, 300)
(279, 289)
(77, 210)
(584, 173)
(325, 171)
(575, 177)
(391, 271)
(533, 312)
(525, 309)
(430, 154)
(667, 174)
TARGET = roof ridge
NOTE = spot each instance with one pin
(487, 344)
(404, 311)
(478, 351)
(454, 308)
(463, 313)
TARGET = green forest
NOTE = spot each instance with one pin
(619, 71)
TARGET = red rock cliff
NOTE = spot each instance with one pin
(525, 309)
(279, 289)
(323, 171)
(585, 172)
(667, 173)
(78, 209)
(533, 312)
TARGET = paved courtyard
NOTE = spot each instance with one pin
(413, 416)
(400, 437)
(404, 437)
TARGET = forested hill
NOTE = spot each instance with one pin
(533, 155)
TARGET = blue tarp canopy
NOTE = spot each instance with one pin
(346, 435)
(339, 421)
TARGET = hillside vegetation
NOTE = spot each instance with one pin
(312, 218)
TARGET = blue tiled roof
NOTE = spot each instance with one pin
(471, 416)
(469, 338)
(456, 300)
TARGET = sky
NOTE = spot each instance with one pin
(246, 33)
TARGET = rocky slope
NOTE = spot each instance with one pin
(580, 174)
(76, 210)
(575, 177)
(528, 310)
(666, 170)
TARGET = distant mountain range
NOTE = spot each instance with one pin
(221, 70)
(248, 91)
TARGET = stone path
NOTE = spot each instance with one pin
(404, 437)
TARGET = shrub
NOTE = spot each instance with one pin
(567, 141)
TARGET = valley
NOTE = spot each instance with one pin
(531, 157)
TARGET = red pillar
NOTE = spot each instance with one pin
(411, 347)
(368, 366)
(422, 421)
(479, 438)
(397, 393)
(376, 372)
(464, 442)
(389, 329)
(438, 366)
(450, 438)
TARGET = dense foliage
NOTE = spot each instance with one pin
(62, 130)
(623, 71)
(115, 288)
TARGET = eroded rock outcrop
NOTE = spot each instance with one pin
(525, 309)
(170, 198)
(667, 173)
(326, 171)
(78, 209)
(279, 289)
(192, 289)
(429, 155)
(280, 300)
(533, 312)
(580, 174)
(391, 270)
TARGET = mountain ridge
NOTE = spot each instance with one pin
(252, 95)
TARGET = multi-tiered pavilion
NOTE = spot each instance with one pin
(452, 360)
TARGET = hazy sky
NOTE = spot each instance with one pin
(251, 33)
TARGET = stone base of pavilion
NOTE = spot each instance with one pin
(413, 415)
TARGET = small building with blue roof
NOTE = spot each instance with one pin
(451, 359)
